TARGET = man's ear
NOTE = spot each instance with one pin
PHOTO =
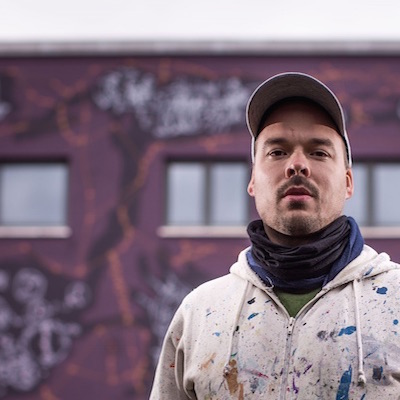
(349, 183)
(250, 186)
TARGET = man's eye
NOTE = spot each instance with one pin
(276, 153)
(320, 153)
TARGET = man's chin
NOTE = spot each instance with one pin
(301, 224)
(297, 205)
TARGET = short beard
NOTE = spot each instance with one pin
(298, 225)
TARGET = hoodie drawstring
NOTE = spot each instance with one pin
(362, 379)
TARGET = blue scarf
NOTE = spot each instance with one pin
(304, 268)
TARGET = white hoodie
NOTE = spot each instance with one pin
(231, 338)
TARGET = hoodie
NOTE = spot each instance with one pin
(231, 338)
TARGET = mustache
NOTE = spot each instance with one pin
(297, 180)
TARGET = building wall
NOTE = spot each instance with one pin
(97, 302)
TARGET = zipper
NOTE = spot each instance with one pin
(290, 327)
(288, 349)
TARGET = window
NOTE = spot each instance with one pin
(32, 195)
(207, 193)
(357, 206)
(377, 190)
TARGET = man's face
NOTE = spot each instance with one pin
(299, 180)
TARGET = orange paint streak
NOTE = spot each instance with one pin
(121, 289)
(206, 364)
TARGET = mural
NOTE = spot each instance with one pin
(37, 324)
(184, 106)
(84, 316)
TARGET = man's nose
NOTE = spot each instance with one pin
(298, 165)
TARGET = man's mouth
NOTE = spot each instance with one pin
(297, 193)
(298, 189)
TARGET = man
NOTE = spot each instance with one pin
(308, 311)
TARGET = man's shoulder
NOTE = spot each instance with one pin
(380, 269)
(234, 280)
(223, 291)
(223, 283)
(371, 263)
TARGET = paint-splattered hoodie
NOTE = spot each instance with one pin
(231, 338)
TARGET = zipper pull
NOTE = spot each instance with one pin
(291, 325)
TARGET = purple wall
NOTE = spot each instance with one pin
(116, 121)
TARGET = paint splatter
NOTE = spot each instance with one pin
(218, 334)
(252, 301)
(377, 373)
(395, 321)
(344, 386)
(307, 368)
(252, 315)
(260, 374)
(347, 331)
(381, 290)
(294, 387)
(369, 271)
(231, 377)
(208, 362)
(323, 335)
(254, 383)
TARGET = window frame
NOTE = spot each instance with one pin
(36, 231)
(205, 229)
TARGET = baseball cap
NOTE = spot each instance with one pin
(294, 84)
